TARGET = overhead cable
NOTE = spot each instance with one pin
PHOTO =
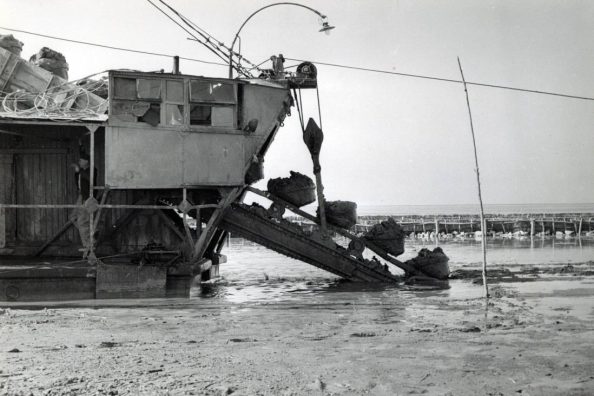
(444, 79)
(301, 60)
(186, 30)
(112, 47)
(209, 41)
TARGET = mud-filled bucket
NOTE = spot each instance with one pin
(342, 214)
(431, 263)
(298, 189)
(387, 235)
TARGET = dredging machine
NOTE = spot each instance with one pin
(175, 156)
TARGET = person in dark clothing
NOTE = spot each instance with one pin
(83, 186)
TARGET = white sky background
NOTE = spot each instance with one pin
(388, 139)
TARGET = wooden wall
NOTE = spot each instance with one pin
(143, 227)
(35, 169)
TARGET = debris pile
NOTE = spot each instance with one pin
(39, 88)
(387, 235)
(52, 61)
(298, 189)
(99, 87)
(342, 214)
(9, 43)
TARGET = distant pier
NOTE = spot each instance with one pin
(576, 224)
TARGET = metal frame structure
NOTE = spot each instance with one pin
(92, 206)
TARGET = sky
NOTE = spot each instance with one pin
(389, 140)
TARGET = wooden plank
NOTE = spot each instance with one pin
(168, 222)
(8, 62)
(42, 122)
(47, 243)
(210, 228)
(35, 194)
(52, 150)
(125, 217)
(2, 228)
(7, 217)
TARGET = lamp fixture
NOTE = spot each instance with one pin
(326, 27)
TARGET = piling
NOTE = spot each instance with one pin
(532, 227)
(448, 223)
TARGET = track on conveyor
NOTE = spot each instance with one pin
(289, 239)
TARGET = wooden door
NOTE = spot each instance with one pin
(7, 216)
(41, 178)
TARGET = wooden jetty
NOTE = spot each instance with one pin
(577, 224)
(528, 224)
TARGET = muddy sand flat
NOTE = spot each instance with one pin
(535, 338)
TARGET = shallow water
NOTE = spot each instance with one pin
(257, 275)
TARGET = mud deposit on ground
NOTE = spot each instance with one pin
(347, 342)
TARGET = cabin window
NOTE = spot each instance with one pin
(174, 102)
(137, 100)
(212, 103)
(174, 114)
(149, 89)
(175, 91)
(200, 115)
(125, 88)
(208, 91)
(221, 116)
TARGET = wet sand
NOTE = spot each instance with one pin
(274, 326)
(390, 342)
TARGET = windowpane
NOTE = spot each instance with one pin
(175, 91)
(206, 91)
(175, 114)
(124, 88)
(152, 115)
(218, 116)
(222, 116)
(200, 115)
(149, 89)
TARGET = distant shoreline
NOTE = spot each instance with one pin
(469, 209)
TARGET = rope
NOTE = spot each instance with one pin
(259, 64)
(319, 107)
(299, 111)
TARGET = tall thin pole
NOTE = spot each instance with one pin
(91, 252)
(478, 182)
